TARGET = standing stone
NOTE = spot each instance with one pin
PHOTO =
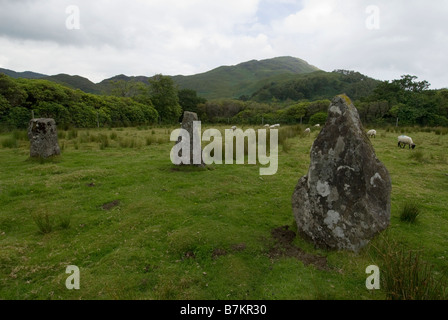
(344, 200)
(43, 137)
(187, 124)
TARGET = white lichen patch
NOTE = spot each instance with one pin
(375, 177)
(332, 219)
(335, 109)
(346, 168)
(323, 189)
(338, 232)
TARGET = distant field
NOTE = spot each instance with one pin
(140, 228)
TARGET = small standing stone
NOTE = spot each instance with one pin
(43, 137)
(344, 200)
(187, 124)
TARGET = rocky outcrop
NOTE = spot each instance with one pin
(344, 200)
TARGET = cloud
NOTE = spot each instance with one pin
(144, 37)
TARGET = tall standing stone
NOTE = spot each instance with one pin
(344, 200)
(188, 125)
(43, 137)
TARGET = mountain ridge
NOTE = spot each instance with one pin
(221, 82)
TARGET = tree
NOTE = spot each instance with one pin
(298, 111)
(54, 110)
(19, 117)
(189, 100)
(164, 96)
(4, 107)
(408, 83)
(319, 118)
(12, 91)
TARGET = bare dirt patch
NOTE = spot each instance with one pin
(283, 247)
(111, 205)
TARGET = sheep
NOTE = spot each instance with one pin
(317, 125)
(266, 125)
(403, 141)
(307, 131)
(233, 128)
(372, 133)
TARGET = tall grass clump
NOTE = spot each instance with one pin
(44, 222)
(409, 212)
(418, 156)
(20, 135)
(405, 276)
(103, 141)
(10, 143)
(64, 221)
(113, 136)
(72, 134)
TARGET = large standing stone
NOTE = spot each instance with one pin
(344, 201)
(43, 137)
(188, 125)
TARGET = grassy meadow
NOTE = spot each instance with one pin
(139, 227)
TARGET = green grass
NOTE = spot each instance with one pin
(161, 237)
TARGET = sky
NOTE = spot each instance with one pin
(99, 39)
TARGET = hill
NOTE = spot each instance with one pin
(277, 79)
(242, 79)
(26, 74)
(314, 86)
(75, 82)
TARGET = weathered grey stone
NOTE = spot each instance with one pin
(344, 200)
(187, 124)
(43, 137)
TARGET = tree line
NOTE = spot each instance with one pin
(155, 102)
(405, 101)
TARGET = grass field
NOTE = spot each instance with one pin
(140, 228)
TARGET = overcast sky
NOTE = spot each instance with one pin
(98, 39)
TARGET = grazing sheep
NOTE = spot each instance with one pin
(317, 125)
(403, 141)
(233, 128)
(266, 125)
(372, 133)
(307, 131)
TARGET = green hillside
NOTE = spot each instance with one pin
(314, 86)
(75, 82)
(242, 79)
(26, 74)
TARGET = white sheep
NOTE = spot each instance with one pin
(372, 133)
(233, 128)
(266, 125)
(317, 125)
(307, 131)
(403, 141)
